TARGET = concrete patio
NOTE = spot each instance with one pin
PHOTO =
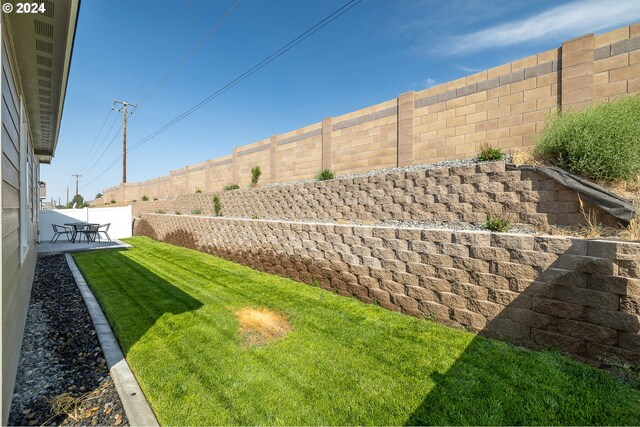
(46, 248)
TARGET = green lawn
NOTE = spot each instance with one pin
(344, 362)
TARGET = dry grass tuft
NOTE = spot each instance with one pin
(76, 408)
(259, 326)
(633, 229)
(527, 156)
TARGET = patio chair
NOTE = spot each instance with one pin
(59, 230)
(89, 232)
(103, 229)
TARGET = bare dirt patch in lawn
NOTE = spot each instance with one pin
(259, 326)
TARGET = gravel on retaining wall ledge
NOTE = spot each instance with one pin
(467, 194)
(579, 295)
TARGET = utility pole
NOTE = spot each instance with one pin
(123, 110)
(67, 194)
(77, 176)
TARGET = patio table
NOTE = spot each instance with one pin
(77, 227)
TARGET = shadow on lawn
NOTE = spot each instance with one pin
(137, 315)
(562, 309)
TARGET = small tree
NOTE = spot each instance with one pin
(217, 206)
(255, 175)
(98, 195)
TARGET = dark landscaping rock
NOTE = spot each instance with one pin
(62, 375)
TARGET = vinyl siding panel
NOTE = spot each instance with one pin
(17, 273)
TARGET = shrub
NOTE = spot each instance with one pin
(255, 175)
(599, 142)
(113, 201)
(145, 198)
(231, 187)
(178, 213)
(495, 223)
(325, 174)
(490, 154)
(254, 216)
(160, 211)
(196, 211)
(98, 195)
(198, 190)
(217, 206)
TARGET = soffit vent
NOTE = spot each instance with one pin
(44, 92)
(49, 8)
(44, 73)
(44, 61)
(44, 46)
(43, 29)
(44, 83)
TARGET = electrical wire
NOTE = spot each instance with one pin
(288, 46)
(189, 54)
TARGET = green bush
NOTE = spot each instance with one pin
(145, 198)
(196, 211)
(231, 187)
(599, 142)
(113, 201)
(325, 174)
(255, 175)
(490, 154)
(496, 224)
(217, 206)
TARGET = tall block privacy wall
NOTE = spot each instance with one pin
(504, 106)
(580, 296)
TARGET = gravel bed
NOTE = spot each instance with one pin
(62, 374)
(425, 166)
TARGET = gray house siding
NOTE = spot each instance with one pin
(17, 266)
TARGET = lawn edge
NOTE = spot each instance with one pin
(135, 404)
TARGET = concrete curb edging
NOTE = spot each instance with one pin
(133, 400)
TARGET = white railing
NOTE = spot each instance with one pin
(120, 219)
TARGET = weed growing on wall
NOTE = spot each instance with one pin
(196, 211)
(160, 211)
(145, 198)
(496, 224)
(255, 175)
(489, 153)
(599, 142)
(231, 187)
(198, 190)
(217, 206)
(325, 174)
(113, 201)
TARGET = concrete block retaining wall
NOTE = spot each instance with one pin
(456, 194)
(581, 296)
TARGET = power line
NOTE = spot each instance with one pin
(88, 157)
(171, 47)
(321, 24)
(190, 53)
(167, 32)
(166, 78)
(252, 70)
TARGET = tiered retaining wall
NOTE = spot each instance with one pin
(504, 106)
(457, 194)
(581, 296)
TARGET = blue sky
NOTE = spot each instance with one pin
(374, 52)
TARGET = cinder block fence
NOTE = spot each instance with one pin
(504, 106)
